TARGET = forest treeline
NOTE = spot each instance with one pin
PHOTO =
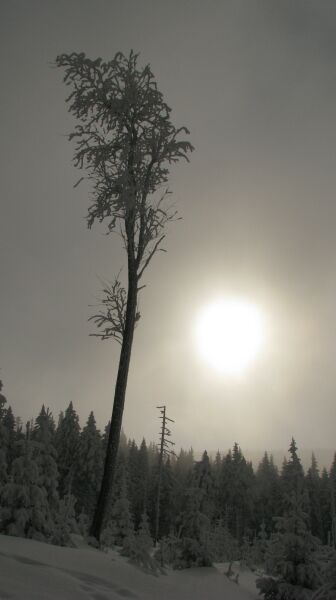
(210, 509)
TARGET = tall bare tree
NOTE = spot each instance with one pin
(126, 142)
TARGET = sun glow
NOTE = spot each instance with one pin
(229, 335)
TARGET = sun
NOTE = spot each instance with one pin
(229, 335)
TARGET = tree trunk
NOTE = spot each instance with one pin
(118, 405)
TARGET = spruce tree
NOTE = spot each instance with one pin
(313, 485)
(327, 590)
(292, 556)
(25, 510)
(292, 475)
(332, 481)
(89, 467)
(167, 513)
(133, 480)
(193, 546)
(138, 470)
(121, 514)
(4, 436)
(8, 422)
(238, 492)
(3, 455)
(326, 511)
(67, 446)
(226, 508)
(204, 481)
(182, 469)
(3, 401)
(65, 522)
(217, 475)
(268, 494)
(44, 435)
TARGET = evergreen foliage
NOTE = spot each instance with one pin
(67, 446)
(138, 546)
(3, 455)
(211, 510)
(65, 522)
(328, 589)
(223, 546)
(292, 475)
(25, 511)
(89, 467)
(332, 482)
(292, 555)
(325, 503)
(268, 494)
(44, 435)
(8, 422)
(3, 440)
(121, 514)
(313, 486)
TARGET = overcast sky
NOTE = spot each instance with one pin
(255, 82)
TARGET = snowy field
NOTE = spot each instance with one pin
(32, 570)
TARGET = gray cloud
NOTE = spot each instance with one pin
(255, 83)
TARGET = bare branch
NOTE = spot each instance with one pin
(111, 317)
(150, 256)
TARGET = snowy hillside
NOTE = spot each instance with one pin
(31, 570)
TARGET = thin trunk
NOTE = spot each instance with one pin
(158, 497)
(124, 360)
(118, 409)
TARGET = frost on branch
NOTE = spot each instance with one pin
(111, 317)
(125, 140)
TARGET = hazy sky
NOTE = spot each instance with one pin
(255, 82)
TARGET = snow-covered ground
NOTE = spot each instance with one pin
(32, 570)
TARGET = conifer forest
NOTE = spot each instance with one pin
(278, 522)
